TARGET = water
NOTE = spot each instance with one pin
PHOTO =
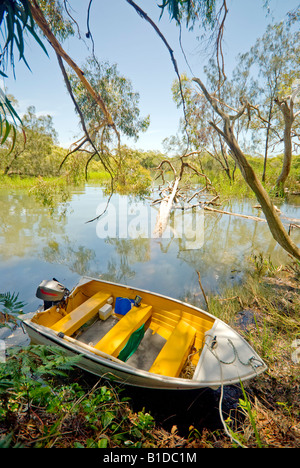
(120, 247)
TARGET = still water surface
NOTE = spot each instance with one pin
(35, 245)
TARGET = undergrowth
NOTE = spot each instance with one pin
(42, 405)
(272, 296)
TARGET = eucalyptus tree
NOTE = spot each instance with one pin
(272, 60)
(202, 139)
(104, 100)
(18, 17)
(227, 133)
(39, 156)
(118, 93)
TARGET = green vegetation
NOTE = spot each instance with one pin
(145, 163)
(49, 171)
(271, 295)
(39, 411)
(18, 23)
(237, 187)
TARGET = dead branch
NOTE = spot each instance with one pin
(196, 194)
(166, 161)
(87, 137)
(174, 193)
(207, 180)
(203, 292)
(254, 218)
(164, 211)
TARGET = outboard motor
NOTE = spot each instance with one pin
(51, 292)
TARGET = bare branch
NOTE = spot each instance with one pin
(166, 161)
(211, 99)
(144, 15)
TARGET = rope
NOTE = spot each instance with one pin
(221, 401)
(250, 362)
(222, 419)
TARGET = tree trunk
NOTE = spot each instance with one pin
(275, 225)
(267, 141)
(11, 163)
(288, 115)
(165, 210)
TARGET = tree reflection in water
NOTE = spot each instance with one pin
(35, 246)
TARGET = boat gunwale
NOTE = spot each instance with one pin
(159, 295)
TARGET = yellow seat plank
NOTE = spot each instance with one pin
(114, 341)
(79, 316)
(174, 353)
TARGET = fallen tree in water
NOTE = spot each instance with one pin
(177, 196)
(174, 192)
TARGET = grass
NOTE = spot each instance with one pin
(218, 177)
(16, 181)
(98, 177)
(273, 295)
(239, 188)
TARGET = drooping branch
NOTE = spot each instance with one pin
(73, 150)
(43, 25)
(144, 15)
(275, 225)
(221, 67)
(87, 137)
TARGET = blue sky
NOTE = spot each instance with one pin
(122, 37)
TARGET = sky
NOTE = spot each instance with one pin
(124, 38)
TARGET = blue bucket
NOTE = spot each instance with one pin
(123, 305)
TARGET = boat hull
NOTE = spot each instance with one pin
(109, 370)
(226, 358)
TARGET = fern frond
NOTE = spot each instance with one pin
(9, 303)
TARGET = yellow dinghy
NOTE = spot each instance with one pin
(140, 338)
